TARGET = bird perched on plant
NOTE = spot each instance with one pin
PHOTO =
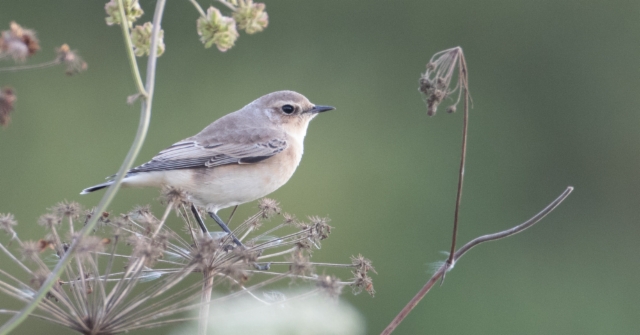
(238, 158)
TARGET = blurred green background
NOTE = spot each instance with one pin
(555, 91)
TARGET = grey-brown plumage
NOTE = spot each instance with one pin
(238, 158)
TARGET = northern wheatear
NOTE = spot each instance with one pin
(238, 158)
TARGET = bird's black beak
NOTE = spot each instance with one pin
(319, 109)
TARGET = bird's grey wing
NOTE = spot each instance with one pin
(192, 153)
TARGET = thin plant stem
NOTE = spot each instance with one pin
(31, 67)
(464, 249)
(462, 79)
(207, 286)
(126, 35)
(143, 127)
(200, 10)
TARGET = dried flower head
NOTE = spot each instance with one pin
(174, 196)
(251, 17)
(141, 39)
(217, 29)
(361, 279)
(31, 250)
(435, 83)
(74, 63)
(7, 222)
(49, 220)
(18, 43)
(67, 209)
(7, 100)
(300, 265)
(132, 10)
(330, 285)
(269, 207)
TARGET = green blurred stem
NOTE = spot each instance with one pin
(126, 34)
(143, 126)
(458, 254)
(197, 5)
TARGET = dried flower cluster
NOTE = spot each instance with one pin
(132, 272)
(7, 101)
(131, 8)
(436, 81)
(216, 29)
(18, 43)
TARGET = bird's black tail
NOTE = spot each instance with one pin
(96, 187)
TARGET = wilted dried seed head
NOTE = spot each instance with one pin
(141, 39)
(74, 63)
(217, 29)
(362, 282)
(132, 10)
(143, 215)
(330, 285)
(319, 228)
(89, 245)
(49, 220)
(144, 249)
(251, 17)
(175, 196)
(7, 222)
(68, 209)
(236, 271)
(31, 249)
(362, 264)
(18, 43)
(300, 265)
(269, 207)
(7, 100)
(290, 220)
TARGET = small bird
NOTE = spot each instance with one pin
(238, 158)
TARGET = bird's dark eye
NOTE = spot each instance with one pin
(288, 109)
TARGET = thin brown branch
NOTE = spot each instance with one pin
(462, 80)
(464, 249)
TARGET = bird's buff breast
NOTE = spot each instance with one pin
(230, 185)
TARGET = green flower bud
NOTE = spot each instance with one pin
(141, 39)
(131, 8)
(251, 17)
(217, 29)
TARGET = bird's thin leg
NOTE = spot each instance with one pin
(224, 227)
(196, 214)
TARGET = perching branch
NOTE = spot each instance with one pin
(458, 254)
(145, 117)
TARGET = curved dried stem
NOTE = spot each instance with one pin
(464, 249)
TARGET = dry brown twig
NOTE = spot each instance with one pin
(435, 86)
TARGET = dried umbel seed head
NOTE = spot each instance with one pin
(435, 84)
(217, 29)
(362, 264)
(18, 43)
(330, 285)
(132, 10)
(141, 39)
(7, 101)
(31, 250)
(74, 64)
(175, 196)
(269, 207)
(362, 282)
(237, 272)
(7, 222)
(89, 245)
(67, 209)
(300, 265)
(49, 220)
(251, 17)
(145, 250)
(143, 215)
(319, 229)
(290, 220)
